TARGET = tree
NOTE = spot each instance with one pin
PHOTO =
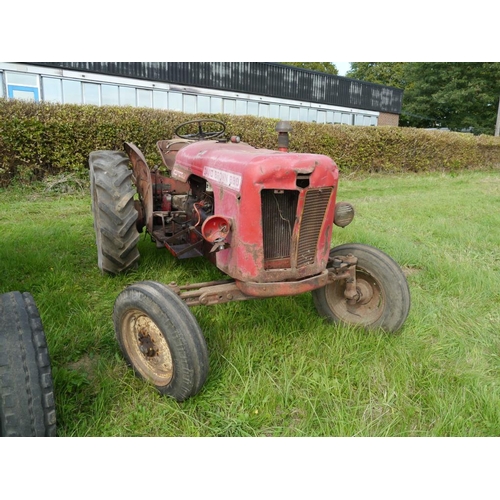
(323, 67)
(457, 95)
(391, 74)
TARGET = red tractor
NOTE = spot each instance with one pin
(263, 217)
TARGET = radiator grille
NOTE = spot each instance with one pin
(279, 209)
(279, 213)
(312, 219)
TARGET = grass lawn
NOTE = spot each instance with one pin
(276, 368)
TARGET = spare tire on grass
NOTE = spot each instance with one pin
(27, 405)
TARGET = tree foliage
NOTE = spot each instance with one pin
(455, 95)
(384, 73)
(459, 96)
(323, 67)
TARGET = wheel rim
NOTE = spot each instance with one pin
(147, 348)
(367, 309)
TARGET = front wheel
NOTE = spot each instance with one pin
(161, 339)
(383, 293)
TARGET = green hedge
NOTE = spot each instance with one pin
(41, 139)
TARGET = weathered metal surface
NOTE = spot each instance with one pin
(182, 250)
(311, 224)
(283, 288)
(241, 176)
(280, 210)
(142, 180)
(230, 290)
(168, 150)
(263, 217)
(209, 293)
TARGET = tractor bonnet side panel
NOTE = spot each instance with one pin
(280, 205)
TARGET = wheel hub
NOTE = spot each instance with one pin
(365, 292)
(147, 344)
(147, 347)
(365, 308)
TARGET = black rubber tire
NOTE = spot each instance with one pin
(114, 212)
(161, 339)
(387, 293)
(27, 404)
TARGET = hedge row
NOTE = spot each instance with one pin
(40, 139)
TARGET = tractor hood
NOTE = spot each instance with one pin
(227, 165)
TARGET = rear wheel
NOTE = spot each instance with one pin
(114, 212)
(383, 294)
(27, 405)
(161, 339)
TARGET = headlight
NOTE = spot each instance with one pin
(344, 213)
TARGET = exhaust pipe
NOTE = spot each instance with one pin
(283, 128)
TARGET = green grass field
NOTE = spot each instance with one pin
(276, 368)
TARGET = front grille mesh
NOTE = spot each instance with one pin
(279, 210)
(279, 214)
(312, 220)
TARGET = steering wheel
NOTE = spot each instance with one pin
(201, 134)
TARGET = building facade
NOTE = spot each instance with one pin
(268, 90)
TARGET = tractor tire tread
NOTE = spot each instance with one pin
(114, 212)
(27, 402)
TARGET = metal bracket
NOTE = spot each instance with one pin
(344, 267)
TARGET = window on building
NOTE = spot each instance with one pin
(52, 89)
(294, 113)
(321, 116)
(110, 95)
(91, 93)
(23, 93)
(274, 111)
(203, 104)
(22, 79)
(263, 109)
(284, 112)
(175, 101)
(216, 105)
(1, 85)
(303, 114)
(229, 106)
(358, 119)
(160, 99)
(253, 108)
(329, 117)
(241, 107)
(144, 98)
(337, 117)
(189, 103)
(312, 115)
(127, 96)
(23, 86)
(72, 92)
(347, 118)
